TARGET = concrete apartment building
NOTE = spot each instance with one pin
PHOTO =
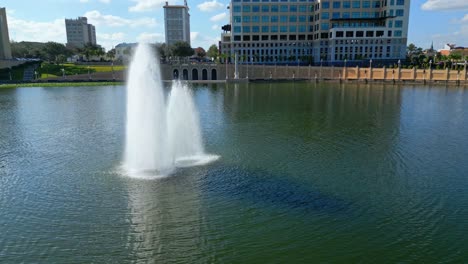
(177, 23)
(317, 31)
(79, 32)
(5, 47)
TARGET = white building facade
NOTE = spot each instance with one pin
(317, 31)
(79, 32)
(177, 23)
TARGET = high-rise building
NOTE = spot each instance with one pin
(177, 23)
(5, 47)
(79, 32)
(316, 31)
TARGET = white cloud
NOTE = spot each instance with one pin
(146, 5)
(108, 41)
(434, 5)
(150, 37)
(96, 18)
(218, 17)
(465, 18)
(210, 6)
(198, 40)
(29, 30)
(215, 27)
(102, 1)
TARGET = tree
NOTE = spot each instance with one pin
(182, 49)
(52, 51)
(200, 52)
(111, 54)
(213, 52)
(89, 50)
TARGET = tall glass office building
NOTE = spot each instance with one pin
(316, 31)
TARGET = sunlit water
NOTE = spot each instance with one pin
(309, 174)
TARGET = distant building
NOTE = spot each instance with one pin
(5, 48)
(177, 23)
(79, 32)
(316, 31)
(124, 51)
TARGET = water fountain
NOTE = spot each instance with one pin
(159, 138)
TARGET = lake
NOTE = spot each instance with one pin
(307, 173)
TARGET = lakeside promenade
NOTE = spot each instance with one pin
(220, 73)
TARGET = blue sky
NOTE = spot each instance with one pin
(119, 21)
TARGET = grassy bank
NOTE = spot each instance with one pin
(53, 70)
(60, 84)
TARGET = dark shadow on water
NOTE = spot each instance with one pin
(261, 188)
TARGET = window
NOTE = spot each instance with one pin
(302, 8)
(325, 15)
(283, 19)
(256, 29)
(324, 26)
(336, 15)
(376, 4)
(274, 8)
(246, 19)
(399, 12)
(398, 33)
(347, 4)
(293, 8)
(355, 15)
(265, 19)
(302, 28)
(265, 8)
(256, 8)
(283, 29)
(346, 15)
(356, 4)
(237, 9)
(292, 19)
(246, 8)
(292, 29)
(339, 34)
(255, 19)
(325, 5)
(336, 4)
(398, 23)
(246, 29)
(302, 19)
(400, 2)
(237, 29)
(265, 29)
(274, 19)
(365, 4)
(390, 24)
(237, 19)
(274, 28)
(284, 8)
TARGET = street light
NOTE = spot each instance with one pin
(345, 60)
(370, 63)
(63, 73)
(430, 64)
(399, 64)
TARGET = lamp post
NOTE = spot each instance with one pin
(35, 75)
(321, 64)
(113, 73)
(63, 73)
(370, 69)
(10, 73)
(89, 76)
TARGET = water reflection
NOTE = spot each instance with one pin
(166, 218)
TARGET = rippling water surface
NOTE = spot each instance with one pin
(308, 173)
